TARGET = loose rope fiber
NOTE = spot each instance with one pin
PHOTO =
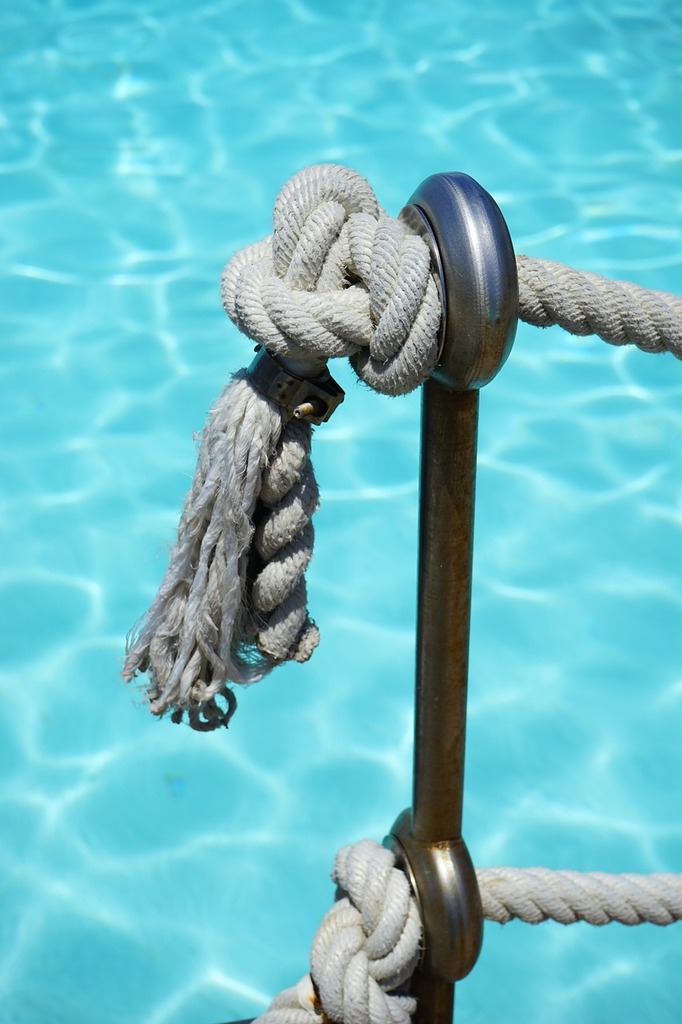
(338, 277)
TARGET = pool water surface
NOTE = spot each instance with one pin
(151, 874)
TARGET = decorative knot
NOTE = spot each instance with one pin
(365, 950)
(368, 944)
(339, 277)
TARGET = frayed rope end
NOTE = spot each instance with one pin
(232, 604)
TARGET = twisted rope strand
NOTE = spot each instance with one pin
(537, 894)
(620, 312)
(284, 542)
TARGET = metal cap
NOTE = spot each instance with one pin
(473, 254)
(444, 882)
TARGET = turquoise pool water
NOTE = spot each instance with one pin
(147, 873)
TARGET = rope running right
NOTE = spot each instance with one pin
(619, 312)
(538, 894)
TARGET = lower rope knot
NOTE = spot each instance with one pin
(369, 943)
(365, 950)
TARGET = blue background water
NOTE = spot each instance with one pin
(151, 874)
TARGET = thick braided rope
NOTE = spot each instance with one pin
(537, 894)
(583, 303)
(365, 950)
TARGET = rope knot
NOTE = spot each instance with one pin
(369, 942)
(364, 951)
(339, 278)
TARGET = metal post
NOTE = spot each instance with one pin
(472, 251)
(448, 474)
(430, 836)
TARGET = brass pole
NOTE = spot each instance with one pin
(474, 259)
(448, 474)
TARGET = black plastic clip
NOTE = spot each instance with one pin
(313, 399)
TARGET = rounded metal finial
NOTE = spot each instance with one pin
(473, 253)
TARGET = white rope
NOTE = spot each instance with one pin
(338, 277)
(619, 312)
(368, 945)
(364, 951)
(537, 894)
